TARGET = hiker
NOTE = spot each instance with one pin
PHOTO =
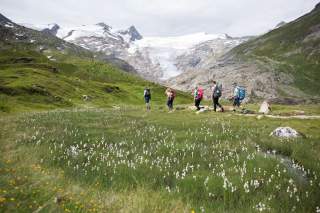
(239, 94)
(198, 95)
(170, 93)
(147, 98)
(236, 99)
(216, 94)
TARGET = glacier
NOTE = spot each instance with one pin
(165, 50)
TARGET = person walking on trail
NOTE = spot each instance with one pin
(236, 99)
(147, 98)
(239, 94)
(198, 95)
(216, 94)
(170, 93)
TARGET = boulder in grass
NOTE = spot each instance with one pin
(265, 108)
(285, 132)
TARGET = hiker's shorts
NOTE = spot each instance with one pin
(147, 100)
(236, 102)
(170, 103)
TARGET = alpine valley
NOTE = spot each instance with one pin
(281, 65)
(88, 125)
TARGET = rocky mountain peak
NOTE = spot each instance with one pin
(228, 36)
(317, 6)
(52, 29)
(105, 26)
(132, 32)
(4, 20)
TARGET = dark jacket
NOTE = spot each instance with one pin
(217, 91)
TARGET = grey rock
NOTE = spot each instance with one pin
(206, 53)
(132, 32)
(53, 30)
(285, 132)
(264, 108)
(105, 26)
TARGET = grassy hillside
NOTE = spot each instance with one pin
(40, 71)
(292, 49)
(41, 83)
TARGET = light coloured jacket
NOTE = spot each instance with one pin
(213, 88)
(236, 91)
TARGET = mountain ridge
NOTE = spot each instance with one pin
(154, 58)
(281, 64)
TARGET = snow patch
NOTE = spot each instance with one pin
(9, 25)
(72, 33)
(37, 27)
(165, 50)
(178, 42)
(19, 34)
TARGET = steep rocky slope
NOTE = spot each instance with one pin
(177, 54)
(202, 55)
(284, 63)
(293, 51)
(12, 35)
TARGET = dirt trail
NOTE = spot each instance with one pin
(302, 117)
(294, 116)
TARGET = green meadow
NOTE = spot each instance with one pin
(125, 159)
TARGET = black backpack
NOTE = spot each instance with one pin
(148, 93)
(217, 91)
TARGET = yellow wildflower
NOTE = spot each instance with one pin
(2, 199)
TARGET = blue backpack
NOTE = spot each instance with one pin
(241, 93)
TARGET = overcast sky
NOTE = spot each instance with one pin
(162, 17)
